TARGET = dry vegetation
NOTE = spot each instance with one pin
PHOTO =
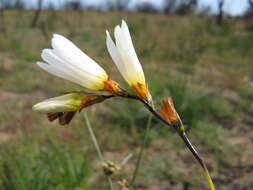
(206, 68)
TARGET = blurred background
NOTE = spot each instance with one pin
(200, 52)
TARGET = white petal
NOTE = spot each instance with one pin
(69, 62)
(123, 66)
(131, 54)
(68, 102)
(132, 68)
(73, 55)
(66, 70)
(127, 35)
(112, 49)
(52, 107)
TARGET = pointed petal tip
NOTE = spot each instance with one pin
(57, 38)
(39, 63)
(46, 50)
(117, 31)
(107, 35)
(117, 27)
(124, 25)
(35, 107)
(55, 35)
(123, 22)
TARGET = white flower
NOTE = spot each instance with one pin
(64, 103)
(67, 61)
(124, 56)
(126, 60)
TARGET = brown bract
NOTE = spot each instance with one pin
(142, 91)
(169, 112)
(112, 86)
(64, 117)
(90, 100)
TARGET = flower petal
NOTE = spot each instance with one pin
(73, 55)
(67, 61)
(126, 60)
(68, 102)
(133, 70)
(65, 70)
(113, 51)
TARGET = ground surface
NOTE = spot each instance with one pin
(206, 68)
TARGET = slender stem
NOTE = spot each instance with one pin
(98, 150)
(93, 137)
(202, 163)
(209, 179)
(109, 181)
(192, 149)
(181, 134)
(144, 141)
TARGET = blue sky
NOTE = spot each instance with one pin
(232, 7)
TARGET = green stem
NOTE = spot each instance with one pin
(144, 141)
(98, 150)
(109, 181)
(209, 179)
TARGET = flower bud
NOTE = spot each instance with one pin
(170, 114)
(66, 103)
(110, 168)
(64, 107)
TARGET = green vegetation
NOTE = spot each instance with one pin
(32, 164)
(206, 68)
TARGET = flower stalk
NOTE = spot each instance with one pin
(143, 145)
(98, 150)
(179, 127)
